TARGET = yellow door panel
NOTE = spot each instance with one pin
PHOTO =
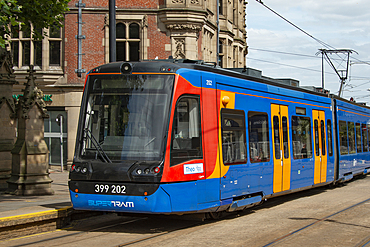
(281, 147)
(285, 147)
(324, 152)
(320, 149)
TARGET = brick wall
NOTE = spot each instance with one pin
(138, 4)
(157, 40)
(92, 45)
(93, 28)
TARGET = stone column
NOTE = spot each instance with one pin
(7, 114)
(30, 162)
(184, 20)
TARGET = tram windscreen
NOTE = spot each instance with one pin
(126, 116)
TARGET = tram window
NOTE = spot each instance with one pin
(368, 135)
(316, 129)
(186, 143)
(343, 137)
(351, 138)
(276, 127)
(259, 144)
(323, 139)
(284, 122)
(364, 138)
(301, 136)
(233, 136)
(358, 138)
(330, 138)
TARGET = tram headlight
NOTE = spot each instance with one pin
(84, 170)
(139, 171)
(78, 169)
(146, 171)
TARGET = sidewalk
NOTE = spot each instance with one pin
(12, 206)
(26, 215)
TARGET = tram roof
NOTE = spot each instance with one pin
(172, 65)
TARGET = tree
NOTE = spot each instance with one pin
(41, 13)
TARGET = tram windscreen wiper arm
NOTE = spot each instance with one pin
(97, 146)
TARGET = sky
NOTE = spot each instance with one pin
(338, 23)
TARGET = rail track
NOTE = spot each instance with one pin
(321, 217)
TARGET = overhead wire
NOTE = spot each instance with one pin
(305, 32)
(287, 65)
(314, 38)
(294, 25)
(297, 54)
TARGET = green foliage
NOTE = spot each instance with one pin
(41, 13)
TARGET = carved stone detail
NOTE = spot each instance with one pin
(195, 2)
(180, 49)
(145, 22)
(177, 1)
(184, 27)
(32, 96)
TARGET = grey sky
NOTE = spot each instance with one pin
(341, 24)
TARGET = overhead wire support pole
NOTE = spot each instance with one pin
(342, 74)
(322, 72)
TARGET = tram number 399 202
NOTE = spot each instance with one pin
(111, 189)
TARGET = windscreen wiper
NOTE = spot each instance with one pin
(97, 146)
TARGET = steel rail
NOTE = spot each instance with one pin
(278, 240)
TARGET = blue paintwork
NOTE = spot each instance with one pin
(257, 177)
(356, 163)
(169, 198)
(241, 179)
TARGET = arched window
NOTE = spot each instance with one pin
(134, 31)
(120, 31)
(127, 41)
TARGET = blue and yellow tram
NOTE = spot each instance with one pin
(175, 137)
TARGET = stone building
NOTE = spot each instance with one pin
(145, 29)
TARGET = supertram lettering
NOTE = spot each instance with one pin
(123, 204)
(99, 203)
(111, 204)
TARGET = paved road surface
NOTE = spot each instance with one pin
(337, 216)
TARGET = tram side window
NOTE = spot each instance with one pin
(284, 122)
(301, 136)
(276, 127)
(364, 138)
(259, 143)
(233, 136)
(358, 138)
(186, 143)
(330, 138)
(323, 139)
(351, 138)
(316, 129)
(343, 137)
(368, 134)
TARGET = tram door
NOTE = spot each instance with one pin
(281, 147)
(319, 128)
